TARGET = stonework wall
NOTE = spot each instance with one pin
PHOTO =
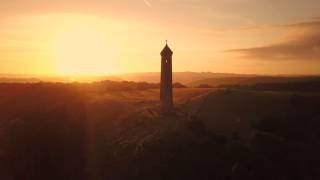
(166, 83)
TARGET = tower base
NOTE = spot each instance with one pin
(167, 110)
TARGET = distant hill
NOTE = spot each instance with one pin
(64, 79)
(191, 79)
(151, 77)
(182, 77)
(18, 80)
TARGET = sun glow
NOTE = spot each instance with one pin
(85, 50)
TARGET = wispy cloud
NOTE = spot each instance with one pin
(147, 3)
(303, 45)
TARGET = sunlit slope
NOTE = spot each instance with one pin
(115, 106)
(102, 108)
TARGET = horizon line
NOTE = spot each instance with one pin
(130, 73)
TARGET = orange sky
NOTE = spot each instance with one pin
(78, 37)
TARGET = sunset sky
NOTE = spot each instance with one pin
(102, 37)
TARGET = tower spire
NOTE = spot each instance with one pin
(166, 80)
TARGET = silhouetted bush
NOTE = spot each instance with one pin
(204, 86)
(178, 85)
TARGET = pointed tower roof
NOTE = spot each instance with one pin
(166, 50)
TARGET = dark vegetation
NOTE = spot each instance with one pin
(251, 80)
(178, 85)
(105, 131)
(204, 86)
(310, 85)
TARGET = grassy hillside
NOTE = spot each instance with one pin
(113, 130)
(225, 134)
(231, 112)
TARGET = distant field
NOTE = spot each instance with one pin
(251, 80)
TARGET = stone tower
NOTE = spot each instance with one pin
(166, 80)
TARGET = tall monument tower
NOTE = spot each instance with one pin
(166, 80)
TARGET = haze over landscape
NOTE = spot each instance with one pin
(114, 37)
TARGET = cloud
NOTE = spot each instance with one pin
(147, 3)
(302, 43)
